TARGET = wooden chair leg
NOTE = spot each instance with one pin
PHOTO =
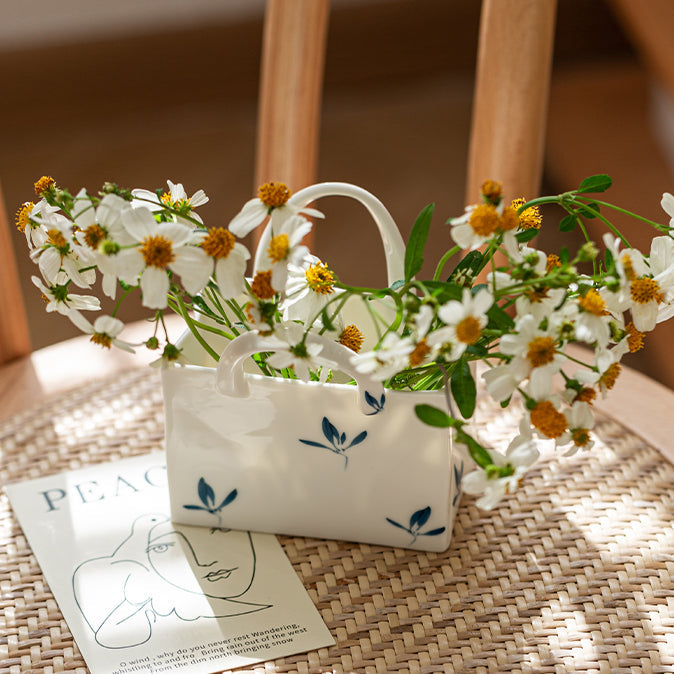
(14, 334)
(511, 96)
(291, 82)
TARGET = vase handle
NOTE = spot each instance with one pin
(230, 380)
(394, 246)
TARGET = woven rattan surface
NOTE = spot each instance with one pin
(573, 573)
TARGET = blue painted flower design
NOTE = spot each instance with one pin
(458, 476)
(207, 498)
(377, 405)
(418, 519)
(337, 441)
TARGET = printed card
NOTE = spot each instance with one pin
(142, 594)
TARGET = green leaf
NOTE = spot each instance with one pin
(414, 253)
(598, 183)
(589, 211)
(499, 319)
(568, 223)
(434, 417)
(443, 291)
(463, 388)
(526, 235)
(473, 262)
(564, 255)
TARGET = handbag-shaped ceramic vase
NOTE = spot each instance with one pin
(326, 460)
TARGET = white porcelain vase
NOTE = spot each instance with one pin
(341, 461)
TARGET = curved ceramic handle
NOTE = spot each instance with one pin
(394, 246)
(229, 379)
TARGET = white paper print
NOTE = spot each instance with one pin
(142, 594)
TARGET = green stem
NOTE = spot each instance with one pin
(443, 261)
(636, 216)
(191, 324)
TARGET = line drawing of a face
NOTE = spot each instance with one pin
(219, 563)
(161, 570)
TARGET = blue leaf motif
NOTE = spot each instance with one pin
(228, 499)
(313, 443)
(206, 493)
(434, 532)
(207, 497)
(458, 476)
(418, 519)
(376, 405)
(395, 524)
(337, 441)
(329, 431)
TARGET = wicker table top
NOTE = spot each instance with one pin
(572, 573)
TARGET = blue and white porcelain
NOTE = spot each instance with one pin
(335, 460)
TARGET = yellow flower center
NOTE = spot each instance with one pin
(484, 220)
(644, 290)
(635, 339)
(585, 395)
(628, 267)
(541, 351)
(593, 303)
(580, 436)
(536, 295)
(608, 379)
(43, 184)
(279, 246)
(157, 251)
(548, 420)
(165, 198)
(352, 338)
(273, 194)
(509, 219)
(492, 191)
(57, 239)
(93, 235)
(320, 279)
(468, 330)
(421, 350)
(529, 218)
(23, 216)
(102, 339)
(552, 262)
(261, 286)
(218, 243)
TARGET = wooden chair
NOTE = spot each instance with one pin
(508, 119)
(14, 334)
(510, 104)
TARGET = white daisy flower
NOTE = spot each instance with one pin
(531, 345)
(580, 421)
(229, 257)
(292, 351)
(162, 247)
(60, 300)
(467, 318)
(59, 251)
(285, 248)
(103, 331)
(309, 288)
(272, 200)
(481, 223)
(520, 456)
(101, 234)
(503, 380)
(392, 356)
(176, 198)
